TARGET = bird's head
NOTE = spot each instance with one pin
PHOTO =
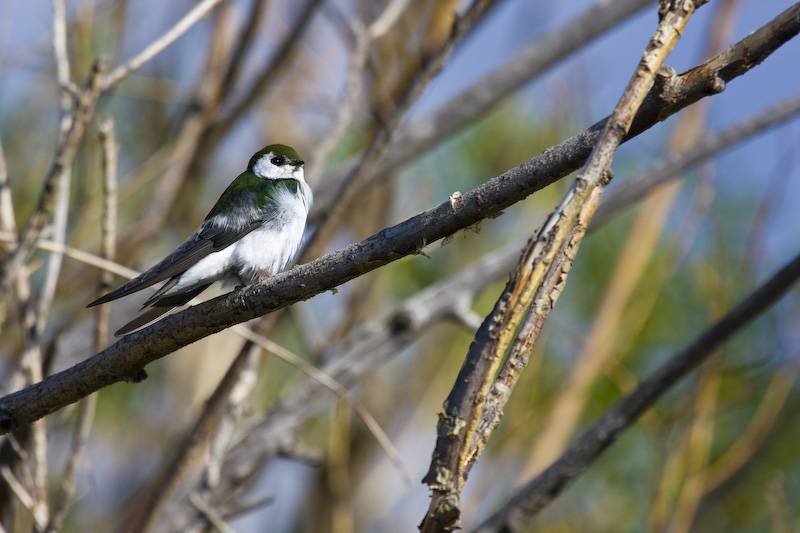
(277, 162)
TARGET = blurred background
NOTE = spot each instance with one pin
(718, 453)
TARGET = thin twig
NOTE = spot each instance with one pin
(7, 222)
(60, 52)
(78, 255)
(212, 516)
(427, 132)
(249, 507)
(66, 486)
(108, 239)
(61, 212)
(350, 187)
(156, 47)
(333, 385)
(25, 498)
(65, 155)
(365, 36)
(671, 166)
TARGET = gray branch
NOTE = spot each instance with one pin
(127, 358)
(516, 514)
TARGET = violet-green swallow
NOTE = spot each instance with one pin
(251, 233)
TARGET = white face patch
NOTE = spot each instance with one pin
(265, 168)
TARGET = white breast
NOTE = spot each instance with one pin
(268, 249)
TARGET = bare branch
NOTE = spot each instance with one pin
(156, 47)
(427, 132)
(670, 167)
(364, 39)
(25, 498)
(61, 164)
(133, 352)
(597, 352)
(268, 434)
(348, 190)
(60, 51)
(61, 212)
(189, 454)
(516, 514)
(331, 384)
(78, 255)
(66, 488)
(7, 222)
(211, 515)
(474, 406)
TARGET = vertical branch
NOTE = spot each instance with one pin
(597, 351)
(63, 76)
(469, 416)
(7, 222)
(109, 229)
(65, 155)
(232, 409)
(66, 489)
(516, 514)
(55, 195)
(61, 212)
(365, 36)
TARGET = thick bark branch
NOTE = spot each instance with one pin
(475, 404)
(517, 513)
(128, 356)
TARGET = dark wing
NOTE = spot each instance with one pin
(207, 239)
(159, 308)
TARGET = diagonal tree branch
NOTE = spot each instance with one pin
(133, 352)
(499, 353)
(439, 302)
(671, 166)
(516, 514)
(423, 134)
(156, 47)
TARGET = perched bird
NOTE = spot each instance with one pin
(251, 233)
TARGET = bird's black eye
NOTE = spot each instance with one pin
(279, 161)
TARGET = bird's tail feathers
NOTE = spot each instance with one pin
(155, 309)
